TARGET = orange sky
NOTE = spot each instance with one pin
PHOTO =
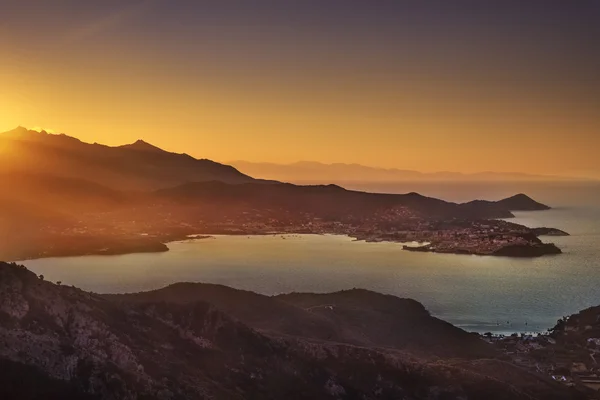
(244, 86)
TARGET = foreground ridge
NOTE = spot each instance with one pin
(194, 341)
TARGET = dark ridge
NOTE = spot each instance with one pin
(329, 200)
(59, 342)
(361, 317)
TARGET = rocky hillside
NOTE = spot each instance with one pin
(358, 317)
(75, 344)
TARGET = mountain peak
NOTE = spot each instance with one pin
(19, 131)
(20, 128)
(521, 196)
(522, 202)
(140, 145)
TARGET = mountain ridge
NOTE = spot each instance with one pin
(298, 316)
(138, 166)
(479, 208)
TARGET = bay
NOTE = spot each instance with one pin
(496, 294)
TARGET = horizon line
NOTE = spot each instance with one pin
(543, 176)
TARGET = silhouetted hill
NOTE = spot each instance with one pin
(140, 145)
(139, 166)
(65, 341)
(329, 201)
(522, 202)
(519, 202)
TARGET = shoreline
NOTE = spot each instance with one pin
(483, 323)
(156, 245)
(514, 251)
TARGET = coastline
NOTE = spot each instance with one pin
(225, 260)
(160, 245)
(514, 251)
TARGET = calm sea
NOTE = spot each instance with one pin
(480, 294)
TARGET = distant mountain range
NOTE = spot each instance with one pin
(141, 166)
(309, 172)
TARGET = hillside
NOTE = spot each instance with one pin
(138, 166)
(357, 317)
(71, 342)
(519, 202)
(329, 201)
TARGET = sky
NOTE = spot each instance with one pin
(464, 86)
